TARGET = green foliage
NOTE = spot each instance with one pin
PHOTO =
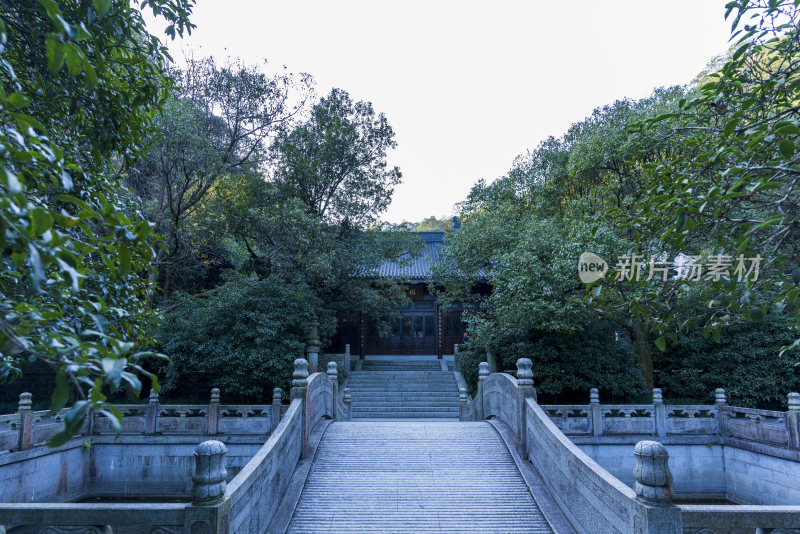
(80, 81)
(244, 335)
(747, 363)
(335, 162)
(220, 124)
(706, 170)
(432, 224)
(731, 187)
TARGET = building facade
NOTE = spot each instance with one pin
(421, 327)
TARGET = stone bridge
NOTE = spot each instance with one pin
(510, 465)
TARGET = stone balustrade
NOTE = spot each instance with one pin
(27, 428)
(231, 483)
(768, 427)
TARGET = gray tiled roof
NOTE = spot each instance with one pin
(417, 268)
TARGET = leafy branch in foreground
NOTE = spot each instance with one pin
(79, 84)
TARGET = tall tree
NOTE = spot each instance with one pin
(335, 162)
(221, 123)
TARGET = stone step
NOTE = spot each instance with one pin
(414, 477)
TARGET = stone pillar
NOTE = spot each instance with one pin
(347, 400)
(483, 373)
(659, 413)
(313, 346)
(462, 404)
(300, 391)
(596, 412)
(720, 401)
(525, 390)
(208, 481)
(347, 358)
(333, 376)
(653, 491)
(456, 361)
(151, 414)
(25, 410)
(793, 420)
(213, 413)
(491, 359)
(275, 409)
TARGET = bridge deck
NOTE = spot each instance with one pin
(415, 477)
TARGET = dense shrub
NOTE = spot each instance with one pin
(241, 337)
(747, 363)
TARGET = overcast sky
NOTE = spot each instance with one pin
(468, 85)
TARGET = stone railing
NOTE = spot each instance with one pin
(596, 501)
(730, 423)
(27, 428)
(245, 504)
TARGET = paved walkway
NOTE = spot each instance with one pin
(415, 477)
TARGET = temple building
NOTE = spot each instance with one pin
(421, 327)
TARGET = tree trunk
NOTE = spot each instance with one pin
(641, 345)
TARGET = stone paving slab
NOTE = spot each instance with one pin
(415, 477)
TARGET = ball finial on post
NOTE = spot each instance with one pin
(652, 474)
(208, 481)
(719, 396)
(524, 372)
(299, 378)
(594, 396)
(483, 370)
(794, 401)
(347, 400)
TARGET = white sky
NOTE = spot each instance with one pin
(468, 85)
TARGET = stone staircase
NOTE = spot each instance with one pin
(414, 389)
(415, 477)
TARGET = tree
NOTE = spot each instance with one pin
(241, 336)
(732, 188)
(80, 81)
(221, 123)
(335, 162)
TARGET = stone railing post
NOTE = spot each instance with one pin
(719, 402)
(596, 412)
(25, 410)
(213, 413)
(333, 376)
(456, 360)
(491, 359)
(275, 409)
(347, 358)
(462, 404)
(208, 481)
(300, 391)
(313, 346)
(151, 414)
(652, 487)
(483, 373)
(209, 512)
(659, 413)
(793, 420)
(525, 390)
(347, 401)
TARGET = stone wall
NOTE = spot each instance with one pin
(44, 474)
(256, 491)
(591, 498)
